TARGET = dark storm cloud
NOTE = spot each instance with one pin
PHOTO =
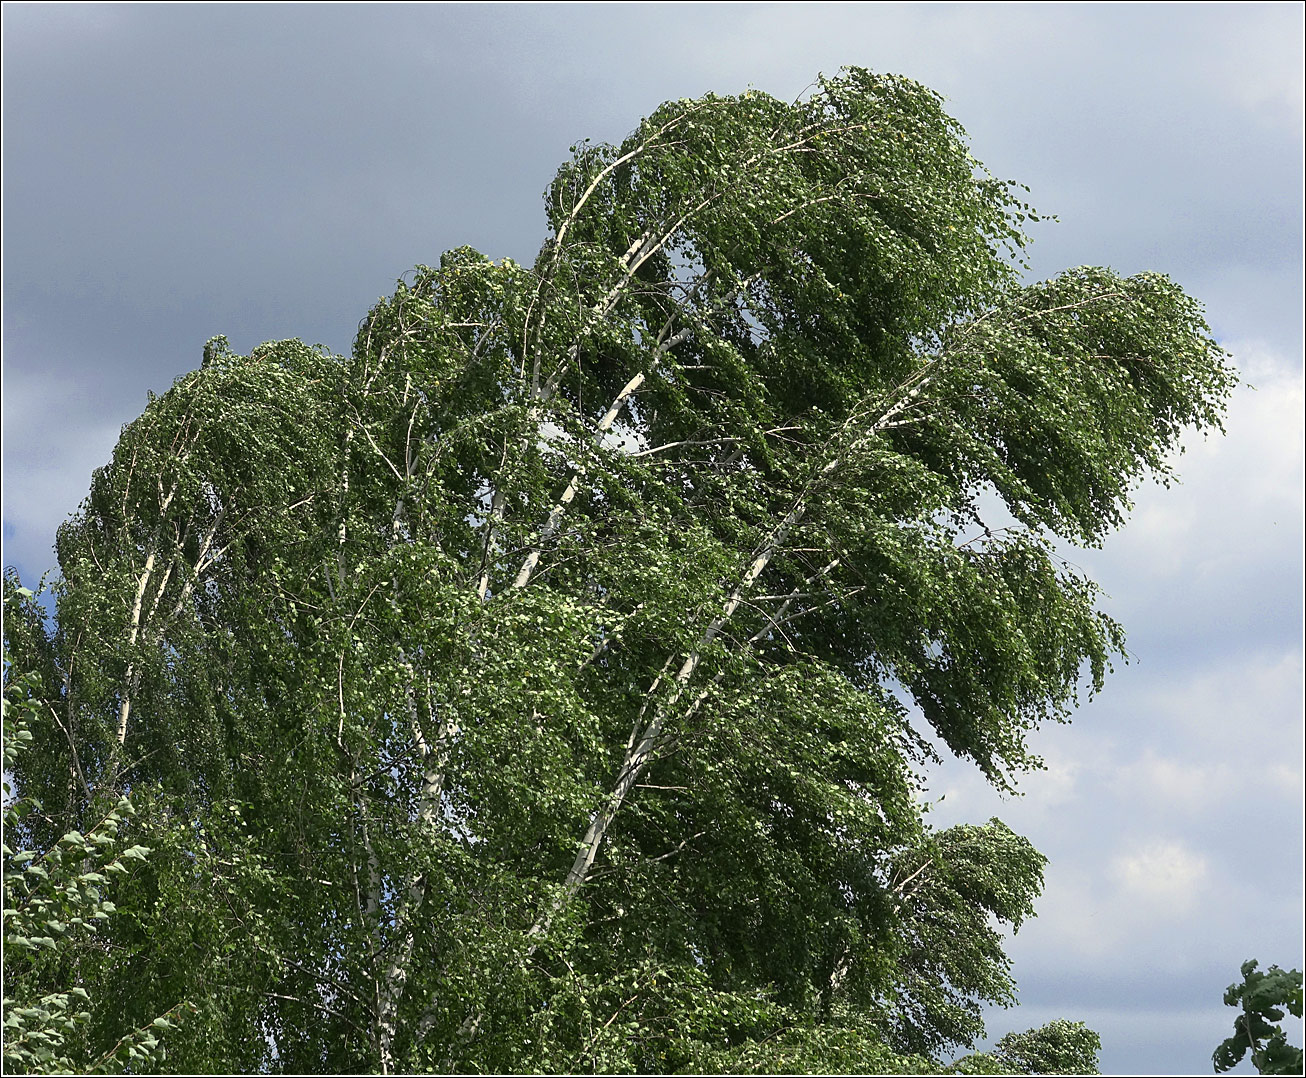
(274, 168)
(271, 173)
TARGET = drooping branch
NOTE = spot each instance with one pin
(546, 277)
(639, 251)
(646, 743)
(662, 348)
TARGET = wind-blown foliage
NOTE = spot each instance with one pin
(54, 901)
(1060, 1047)
(532, 689)
(1263, 996)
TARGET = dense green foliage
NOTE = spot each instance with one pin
(1263, 997)
(538, 686)
(53, 903)
(1060, 1047)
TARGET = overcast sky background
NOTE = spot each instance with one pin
(171, 173)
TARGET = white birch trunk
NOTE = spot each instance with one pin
(645, 744)
(134, 625)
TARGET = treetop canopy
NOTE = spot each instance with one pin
(569, 639)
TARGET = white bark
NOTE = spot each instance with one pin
(555, 515)
(134, 625)
(649, 740)
(394, 978)
(664, 344)
(125, 707)
(644, 745)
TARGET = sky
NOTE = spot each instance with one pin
(267, 171)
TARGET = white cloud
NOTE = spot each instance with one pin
(1211, 567)
(1078, 924)
(1261, 67)
(1174, 784)
(1146, 902)
(1250, 476)
(1058, 783)
(1164, 872)
(1225, 735)
(1236, 710)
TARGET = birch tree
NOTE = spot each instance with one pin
(549, 683)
